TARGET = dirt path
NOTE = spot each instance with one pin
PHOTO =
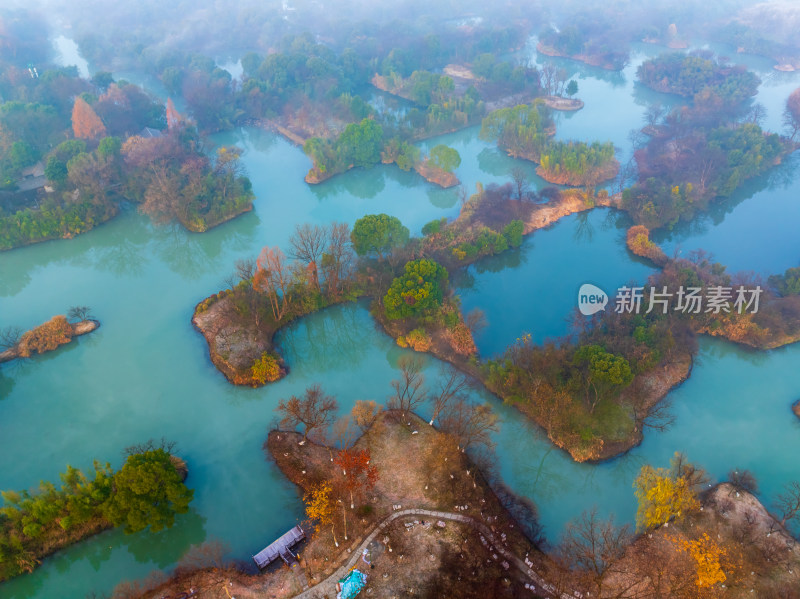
(327, 588)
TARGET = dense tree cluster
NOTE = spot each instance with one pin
(419, 291)
(521, 130)
(698, 72)
(578, 161)
(680, 173)
(147, 492)
(360, 145)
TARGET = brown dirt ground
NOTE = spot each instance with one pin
(760, 555)
(419, 469)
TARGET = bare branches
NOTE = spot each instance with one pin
(79, 313)
(344, 433)
(521, 182)
(307, 245)
(409, 391)
(245, 269)
(470, 424)
(594, 547)
(314, 410)
(273, 277)
(338, 257)
(788, 502)
(475, 321)
(9, 337)
(151, 445)
(453, 385)
(743, 480)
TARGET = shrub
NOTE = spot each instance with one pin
(418, 340)
(513, 233)
(46, 337)
(266, 369)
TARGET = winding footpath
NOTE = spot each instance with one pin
(327, 588)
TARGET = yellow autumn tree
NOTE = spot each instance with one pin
(265, 369)
(320, 506)
(85, 122)
(706, 554)
(662, 497)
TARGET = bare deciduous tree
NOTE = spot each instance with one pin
(521, 183)
(453, 384)
(245, 269)
(743, 480)
(470, 424)
(553, 79)
(79, 313)
(344, 433)
(307, 245)
(593, 547)
(788, 502)
(409, 390)
(654, 113)
(314, 410)
(9, 337)
(338, 257)
(274, 278)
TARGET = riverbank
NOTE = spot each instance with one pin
(48, 337)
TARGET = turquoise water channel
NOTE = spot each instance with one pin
(146, 374)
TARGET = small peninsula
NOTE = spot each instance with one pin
(47, 336)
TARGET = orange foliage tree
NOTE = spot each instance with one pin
(45, 337)
(85, 122)
(359, 475)
(706, 553)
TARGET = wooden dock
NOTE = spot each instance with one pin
(281, 548)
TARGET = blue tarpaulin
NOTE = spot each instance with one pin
(351, 584)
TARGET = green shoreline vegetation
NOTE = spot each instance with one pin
(147, 492)
(523, 132)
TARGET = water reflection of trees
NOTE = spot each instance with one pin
(443, 198)
(781, 176)
(333, 339)
(580, 70)
(167, 546)
(6, 384)
(361, 183)
(193, 255)
(584, 229)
